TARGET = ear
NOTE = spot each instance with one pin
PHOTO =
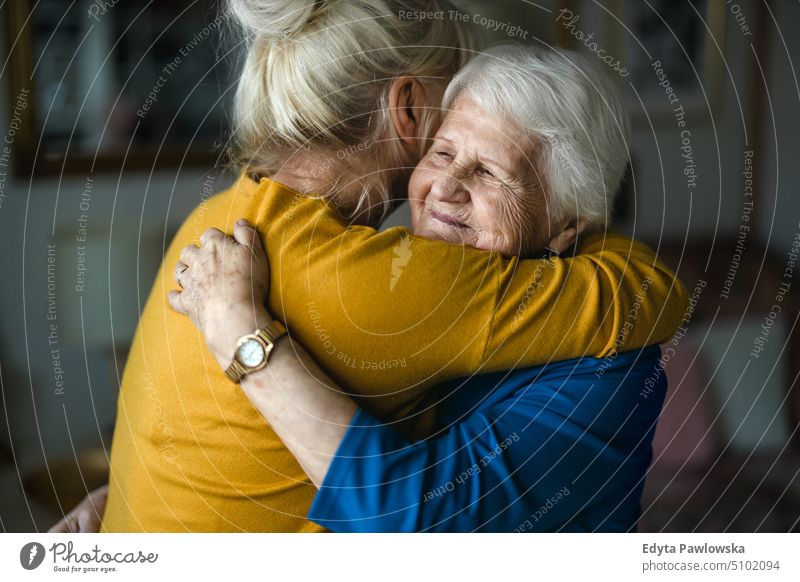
(406, 97)
(566, 238)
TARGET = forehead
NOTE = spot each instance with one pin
(468, 125)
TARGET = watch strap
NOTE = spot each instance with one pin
(236, 371)
(268, 335)
(271, 332)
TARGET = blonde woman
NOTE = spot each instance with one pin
(340, 98)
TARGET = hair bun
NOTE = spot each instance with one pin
(274, 18)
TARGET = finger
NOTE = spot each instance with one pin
(189, 254)
(60, 527)
(89, 521)
(180, 269)
(246, 235)
(176, 302)
(66, 525)
(210, 235)
(72, 523)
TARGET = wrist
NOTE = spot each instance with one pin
(239, 321)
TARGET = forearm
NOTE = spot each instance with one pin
(389, 312)
(222, 289)
(302, 405)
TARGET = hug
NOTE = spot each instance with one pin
(254, 399)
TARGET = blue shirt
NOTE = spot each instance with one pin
(561, 447)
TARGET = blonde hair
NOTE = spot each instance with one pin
(317, 76)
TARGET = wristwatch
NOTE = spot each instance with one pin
(252, 351)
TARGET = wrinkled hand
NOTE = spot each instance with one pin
(224, 286)
(86, 516)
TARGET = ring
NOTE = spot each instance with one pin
(179, 271)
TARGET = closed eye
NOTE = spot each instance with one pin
(481, 171)
(444, 155)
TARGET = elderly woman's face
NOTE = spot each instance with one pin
(478, 185)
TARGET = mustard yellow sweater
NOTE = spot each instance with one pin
(388, 315)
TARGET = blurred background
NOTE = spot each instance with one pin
(114, 117)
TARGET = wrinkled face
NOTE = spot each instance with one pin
(478, 185)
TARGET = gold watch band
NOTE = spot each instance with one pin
(266, 336)
(271, 331)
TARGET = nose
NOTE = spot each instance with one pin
(448, 186)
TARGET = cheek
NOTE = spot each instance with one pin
(420, 182)
(505, 224)
(418, 187)
(498, 218)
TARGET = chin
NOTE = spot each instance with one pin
(428, 233)
(433, 233)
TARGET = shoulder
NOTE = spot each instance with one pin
(220, 209)
(618, 377)
(609, 241)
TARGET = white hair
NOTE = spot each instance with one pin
(572, 111)
(317, 76)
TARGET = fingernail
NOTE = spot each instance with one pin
(241, 222)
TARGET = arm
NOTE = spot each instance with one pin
(223, 287)
(578, 444)
(302, 405)
(549, 456)
(596, 428)
(389, 315)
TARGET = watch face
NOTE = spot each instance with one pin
(251, 353)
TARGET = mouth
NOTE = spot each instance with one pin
(447, 219)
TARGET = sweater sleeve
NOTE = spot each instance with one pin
(564, 450)
(389, 315)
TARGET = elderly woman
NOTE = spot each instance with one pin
(328, 103)
(560, 447)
